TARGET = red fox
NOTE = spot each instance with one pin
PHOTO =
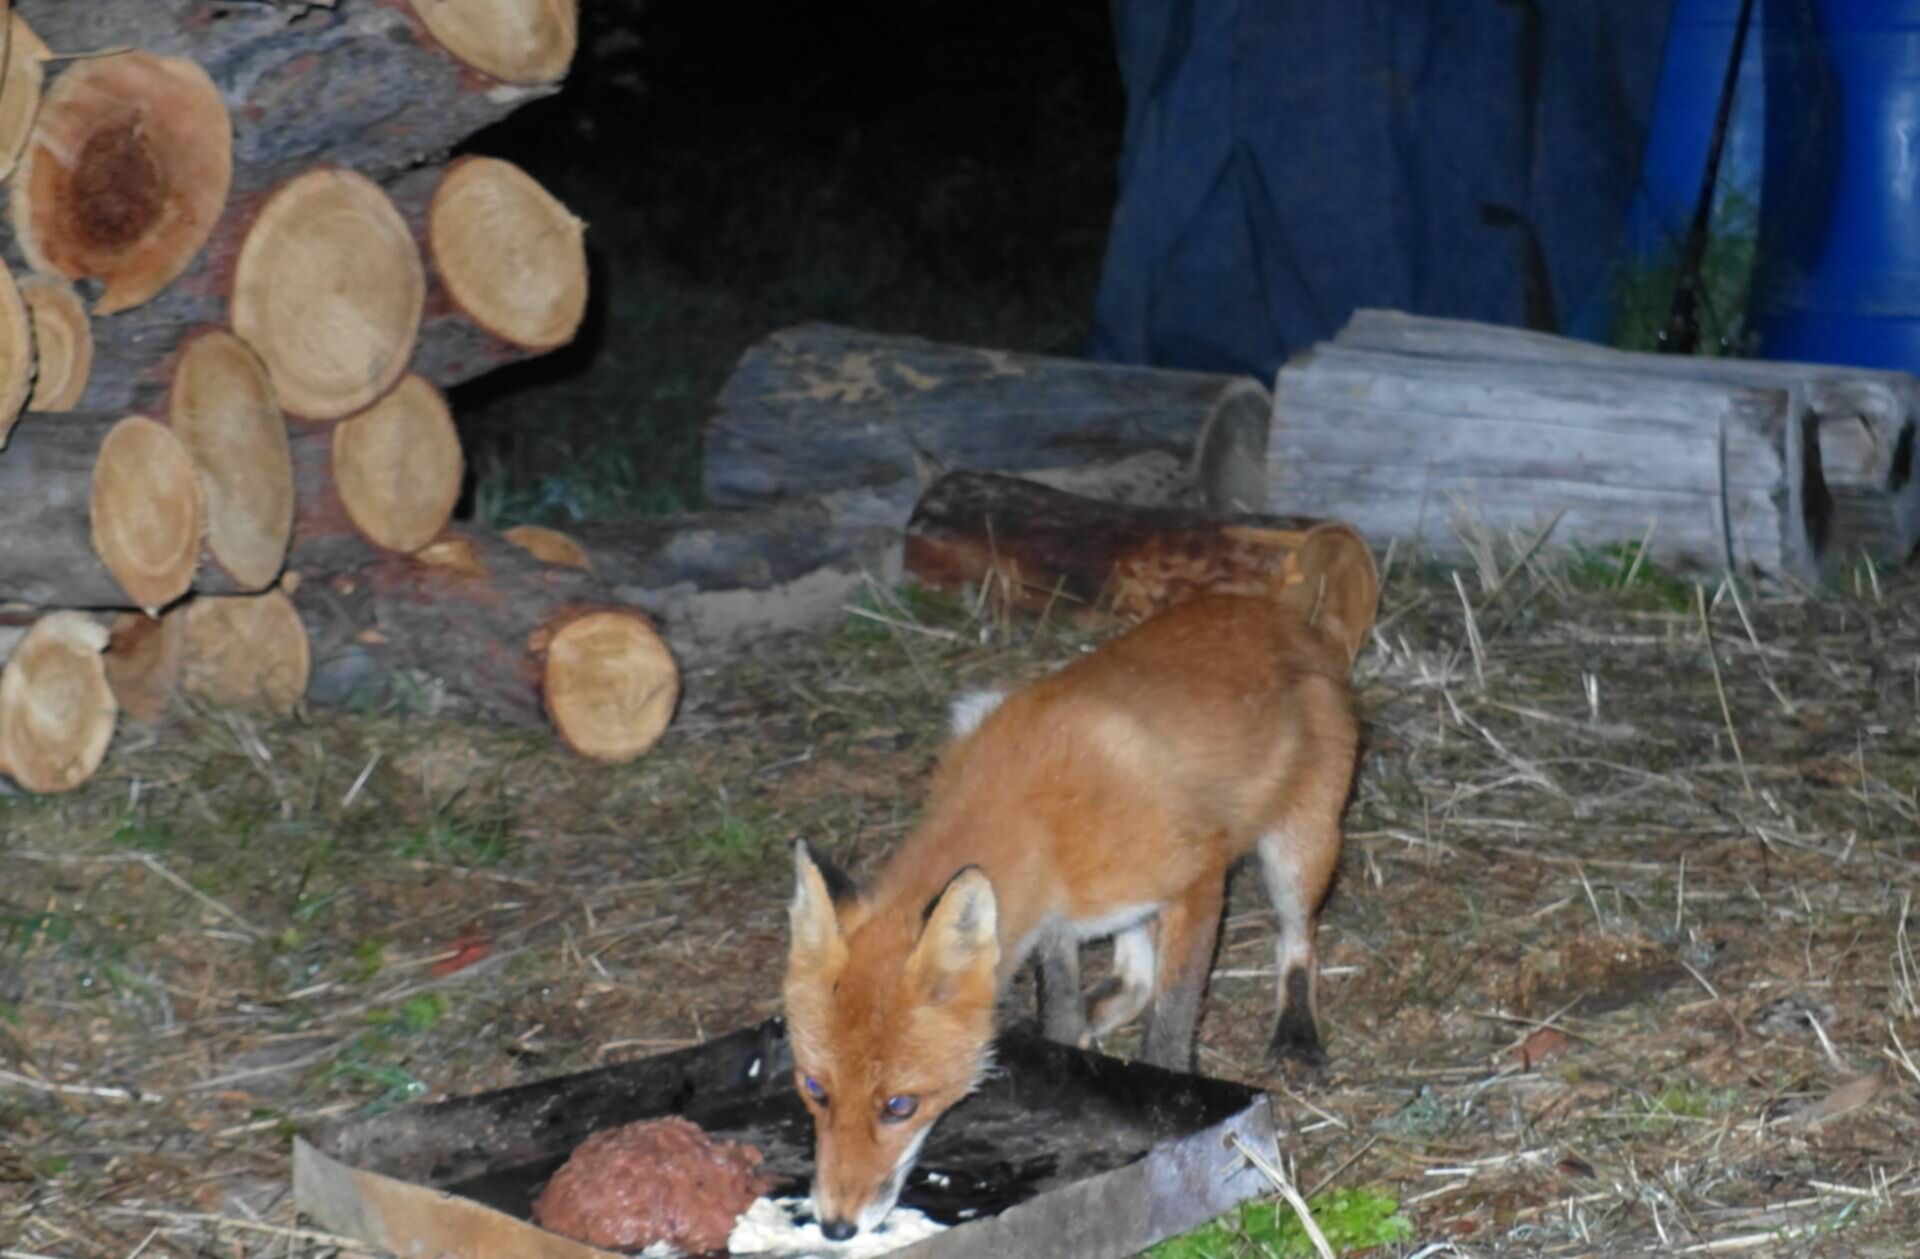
(1107, 799)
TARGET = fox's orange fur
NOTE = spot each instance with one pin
(1109, 798)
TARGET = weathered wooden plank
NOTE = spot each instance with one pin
(1442, 511)
(1405, 446)
(1864, 418)
(1489, 445)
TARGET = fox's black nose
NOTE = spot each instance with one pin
(838, 1230)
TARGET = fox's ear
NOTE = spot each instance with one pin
(817, 941)
(959, 947)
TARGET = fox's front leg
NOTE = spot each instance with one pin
(1062, 1007)
(1189, 929)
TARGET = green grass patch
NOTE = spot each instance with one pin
(1353, 1220)
(456, 841)
(1619, 567)
(1643, 291)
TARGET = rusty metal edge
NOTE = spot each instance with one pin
(1179, 1185)
(408, 1219)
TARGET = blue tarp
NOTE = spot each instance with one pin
(1286, 161)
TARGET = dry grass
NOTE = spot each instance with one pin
(1625, 954)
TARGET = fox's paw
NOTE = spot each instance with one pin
(1296, 1042)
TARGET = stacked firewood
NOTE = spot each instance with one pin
(239, 275)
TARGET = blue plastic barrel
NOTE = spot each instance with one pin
(1699, 41)
(1838, 274)
(1686, 99)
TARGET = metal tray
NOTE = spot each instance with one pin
(1061, 1152)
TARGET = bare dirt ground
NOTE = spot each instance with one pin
(1624, 956)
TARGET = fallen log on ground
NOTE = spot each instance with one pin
(1042, 549)
(57, 712)
(525, 641)
(819, 409)
(718, 581)
(1863, 419)
(1713, 475)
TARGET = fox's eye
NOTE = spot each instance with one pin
(899, 1106)
(814, 1090)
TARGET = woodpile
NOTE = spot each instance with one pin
(239, 275)
(1440, 430)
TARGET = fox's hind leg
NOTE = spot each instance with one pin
(1296, 875)
(1063, 1013)
(1189, 929)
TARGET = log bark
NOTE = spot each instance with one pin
(719, 581)
(57, 712)
(1863, 418)
(525, 641)
(98, 511)
(1443, 452)
(362, 84)
(819, 409)
(1042, 549)
(385, 480)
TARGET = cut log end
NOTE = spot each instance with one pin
(328, 289)
(20, 91)
(62, 342)
(16, 353)
(124, 175)
(610, 684)
(148, 512)
(56, 710)
(245, 651)
(143, 661)
(223, 411)
(512, 257)
(397, 467)
(549, 546)
(517, 41)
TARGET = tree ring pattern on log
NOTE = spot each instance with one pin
(16, 353)
(56, 710)
(513, 258)
(125, 174)
(62, 342)
(223, 411)
(148, 511)
(609, 683)
(328, 290)
(516, 41)
(397, 467)
(20, 81)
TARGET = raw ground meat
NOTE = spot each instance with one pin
(652, 1181)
